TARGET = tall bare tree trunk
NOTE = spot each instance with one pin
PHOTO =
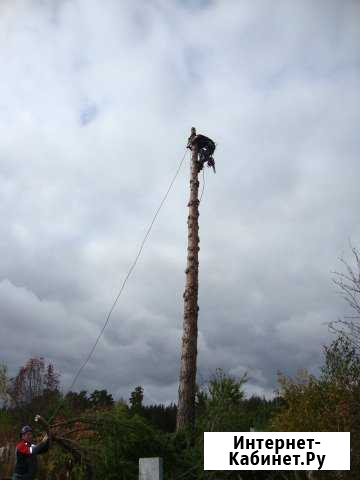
(187, 382)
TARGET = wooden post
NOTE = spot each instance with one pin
(187, 381)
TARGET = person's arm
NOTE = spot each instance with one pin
(41, 447)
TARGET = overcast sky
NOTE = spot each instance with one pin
(96, 103)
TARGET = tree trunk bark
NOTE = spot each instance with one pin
(187, 381)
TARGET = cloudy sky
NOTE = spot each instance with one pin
(96, 103)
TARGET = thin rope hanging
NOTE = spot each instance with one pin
(203, 186)
(123, 284)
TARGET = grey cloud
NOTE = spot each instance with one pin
(96, 104)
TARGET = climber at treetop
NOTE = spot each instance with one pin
(206, 148)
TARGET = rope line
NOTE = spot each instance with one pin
(124, 282)
(203, 184)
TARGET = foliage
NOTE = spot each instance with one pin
(328, 403)
(4, 385)
(342, 364)
(161, 416)
(258, 412)
(75, 403)
(136, 399)
(348, 283)
(6, 425)
(116, 435)
(222, 406)
(120, 440)
(121, 436)
(101, 399)
(33, 380)
(34, 388)
(219, 403)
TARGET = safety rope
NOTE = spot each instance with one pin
(203, 185)
(122, 286)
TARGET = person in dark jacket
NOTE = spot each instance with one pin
(26, 454)
(206, 147)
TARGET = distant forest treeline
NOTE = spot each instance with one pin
(108, 437)
(96, 437)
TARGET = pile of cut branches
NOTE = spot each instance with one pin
(67, 433)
